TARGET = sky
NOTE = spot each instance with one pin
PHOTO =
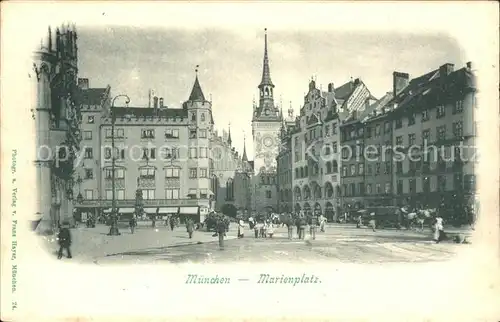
(133, 60)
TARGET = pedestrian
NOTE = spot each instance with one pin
(263, 229)
(132, 223)
(270, 229)
(64, 238)
(438, 229)
(172, 223)
(153, 221)
(372, 221)
(313, 223)
(359, 223)
(290, 224)
(256, 229)
(190, 227)
(221, 231)
(322, 223)
(302, 227)
(241, 226)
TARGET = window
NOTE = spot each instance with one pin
(203, 194)
(387, 127)
(147, 173)
(425, 115)
(458, 182)
(169, 153)
(377, 130)
(378, 188)
(88, 153)
(458, 129)
(107, 153)
(387, 167)
(202, 117)
(399, 187)
(399, 167)
(399, 140)
(369, 189)
(334, 147)
(172, 134)
(89, 194)
(426, 136)
(440, 111)
(441, 183)
(193, 153)
(361, 188)
(193, 117)
(147, 134)
(120, 194)
(171, 194)
(119, 133)
(269, 195)
(441, 133)
(377, 168)
(148, 194)
(192, 134)
(119, 173)
(193, 173)
(411, 139)
(109, 194)
(335, 167)
(87, 135)
(361, 169)
(203, 173)
(369, 169)
(192, 193)
(89, 174)
(368, 132)
(426, 184)
(90, 119)
(387, 188)
(399, 124)
(458, 107)
(344, 170)
(352, 189)
(203, 152)
(148, 153)
(353, 169)
(411, 119)
(172, 173)
(203, 134)
(327, 130)
(334, 128)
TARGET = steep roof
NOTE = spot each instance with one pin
(377, 106)
(91, 96)
(343, 92)
(196, 92)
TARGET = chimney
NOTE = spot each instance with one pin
(356, 81)
(155, 102)
(331, 88)
(83, 83)
(469, 66)
(161, 102)
(399, 82)
(445, 70)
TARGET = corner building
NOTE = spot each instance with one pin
(172, 154)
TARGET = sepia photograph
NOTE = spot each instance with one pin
(159, 147)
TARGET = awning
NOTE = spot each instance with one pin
(168, 210)
(188, 210)
(150, 210)
(126, 210)
(107, 211)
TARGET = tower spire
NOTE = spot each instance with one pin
(244, 158)
(196, 93)
(266, 73)
(229, 135)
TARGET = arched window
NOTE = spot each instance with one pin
(267, 91)
(306, 171)
(302, 172)
(328, 167)
(297, 173)
(202, 117)
(229, 189)
(193, 117)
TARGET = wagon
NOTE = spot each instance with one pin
(384, 217)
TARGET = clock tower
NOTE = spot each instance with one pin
(266, 122)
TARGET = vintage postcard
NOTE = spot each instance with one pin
(241, 161)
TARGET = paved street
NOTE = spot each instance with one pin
(340, 243)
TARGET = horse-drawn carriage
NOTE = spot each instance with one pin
(388, 216)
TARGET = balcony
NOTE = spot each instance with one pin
(107, 203)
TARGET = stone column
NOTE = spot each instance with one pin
(44, 153)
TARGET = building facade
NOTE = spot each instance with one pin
(57, 119)
(266, 124)
(285, 165)
(316, 143)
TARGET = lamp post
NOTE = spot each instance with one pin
(113, 230)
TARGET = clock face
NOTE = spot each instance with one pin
(268, 141)
(266, 111)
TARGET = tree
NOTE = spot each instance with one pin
(229, 210)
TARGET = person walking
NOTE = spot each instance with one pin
(241, 227)
(313, 224)
(372, 221)
(290, 224)
(322, 223)
(221, 231)
(256, 229)
(190, 227)
(64, 238)
(270, 229)
(302, 227)
(153, 222)
(132, 223)
(438, 229)
(172, 223)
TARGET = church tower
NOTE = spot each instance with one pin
(266, 124)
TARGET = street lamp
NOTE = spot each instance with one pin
(113, 230)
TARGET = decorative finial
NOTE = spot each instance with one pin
(196, 69)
